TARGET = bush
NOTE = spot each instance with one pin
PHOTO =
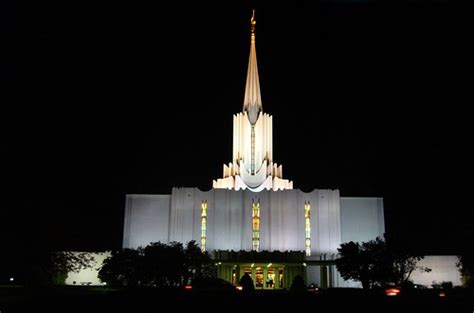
(445, 285)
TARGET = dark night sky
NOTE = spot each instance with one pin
(374, 100)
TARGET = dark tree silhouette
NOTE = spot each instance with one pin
(373, 263)
(157, 265)
(164, 265)
(198, 264)
(354, 263)
(122, 268)
(466, 268)
(52, 267)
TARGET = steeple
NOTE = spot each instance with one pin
(252, 167)
(252, 99)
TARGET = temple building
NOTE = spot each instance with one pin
(253, 220)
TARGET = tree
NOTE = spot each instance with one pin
(52, 267)
(465, 262)
(373, 263)
(157, 265)
(354, 263)
(465, 266)
(198, 264)
(403, 264)
(122, 268)
(64, 262)
(164, 264)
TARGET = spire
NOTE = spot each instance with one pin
(252, 99)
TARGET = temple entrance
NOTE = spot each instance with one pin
(270, 281)
(265, 276)
(258, 278)
(270, 275)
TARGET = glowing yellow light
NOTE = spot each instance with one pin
(255, 225)
(307, 227)
(203, 224)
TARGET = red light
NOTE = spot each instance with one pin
(188, 287)
(442, 294)
(392, 292)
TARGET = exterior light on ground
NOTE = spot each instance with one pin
(392, 292)
(12, 279)
(304, 264)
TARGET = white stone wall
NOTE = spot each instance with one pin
(146, 220)
(443, 268)
(88, 276)
(229, 219)
(177, 217)
(362, 219)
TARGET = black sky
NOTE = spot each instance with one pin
(372, 99)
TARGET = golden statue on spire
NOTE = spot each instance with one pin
(253, 22)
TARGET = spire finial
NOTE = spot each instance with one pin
(252, 99)
(253, 22)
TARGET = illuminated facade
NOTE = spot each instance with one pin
(307, 227)
(252, 164)
(252, 220)
(255, 225)
(203, 224)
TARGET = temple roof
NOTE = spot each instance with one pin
(252, 99)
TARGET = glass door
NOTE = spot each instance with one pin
(259, 277)
(270, 281)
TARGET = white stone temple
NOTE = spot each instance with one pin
(252, 220)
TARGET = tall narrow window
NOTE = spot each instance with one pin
(203, 224)
(252, 150)
(307, 227)
(256, 225)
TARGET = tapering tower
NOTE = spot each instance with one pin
(252, 164)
